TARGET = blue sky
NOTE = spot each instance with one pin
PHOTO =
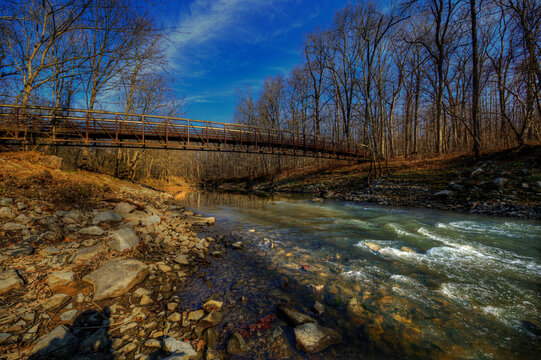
(220, 46)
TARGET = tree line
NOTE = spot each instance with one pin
(424, 77)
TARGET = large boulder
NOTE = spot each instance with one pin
(58, 344)
(9, 280)
(116, 277)
(313, 338)
(124, 239)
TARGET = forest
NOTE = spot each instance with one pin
(422, 78)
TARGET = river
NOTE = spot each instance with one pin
(396, 283)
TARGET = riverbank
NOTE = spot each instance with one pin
(505, 184)
(91, 265)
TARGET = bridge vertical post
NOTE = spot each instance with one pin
(17, 123)
(225, 135)
(116, 128)
(166, 132)
(188, 124)
(86, 127)
(143, 129)
(207, 124)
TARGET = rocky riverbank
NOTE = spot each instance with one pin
(92, 268)
(507, 184)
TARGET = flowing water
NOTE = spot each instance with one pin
(396, 283)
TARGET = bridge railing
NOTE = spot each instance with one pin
(117, 128)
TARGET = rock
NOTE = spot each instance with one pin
(19, 249)
(213, 318)
(21, 206)
(140, 292)
(59, 343)
(316, 200)
(124, 239)
(80, 298)
(11, 226)
(73, 217)
(105, 216)
(182, 350)
(55, 302)
(97, 342)
(237, 245)
(313, 338)
(153, 343)
(6, 201)
(150, 220)
(372, 246)
(181, 259)
(49, 250)
(444, 194)
(236, 345)
(68, 315)
(499, 182)
(23, 219)
(212, 354)
(124, 208)
(293, 317)
(318, 308)
(6, 213)
(10, 280)
(210, 335)
(4, 337)
(145, 300)
(92, 230)
(116, 277)
(87, 253)
(407, 249)
(212, 304)
(57, 261)
(477, 172)
(58, 278)
(196, 315)
(174, 317)
(200, 220)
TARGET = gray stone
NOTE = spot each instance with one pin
(124, 208)
(236, 345)
(105, 216)
(68, 315)
(56, 301)
(73, 217)
(92, 230)
(200, 220)
(210, 335)
(213, 318)
(196, 315)
(49, 250)
(500, 182)
(97, 342)
(293, 317)
(19, 249)
(21, 206)
(313, 338)
(444, 194)
(180, 349)
(87, 253)
(237, 245)
(124, 239)
(318, 308)
(4, 337)
(11, 226)
(181, 259)
(58, 261)
(10, 280)
(150, 220)
(22, 219)
(116, 277)
(59, 343)
(58, 278)
(6, 213)
(6, 201)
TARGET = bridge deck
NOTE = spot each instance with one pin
(110, 129)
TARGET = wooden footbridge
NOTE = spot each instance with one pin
(54, 126)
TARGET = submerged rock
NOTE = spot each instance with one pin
(236, 345)
(116, 277)
(313, 338)
(293, 317)
(200, 220)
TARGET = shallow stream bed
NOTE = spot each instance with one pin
(396, 283)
